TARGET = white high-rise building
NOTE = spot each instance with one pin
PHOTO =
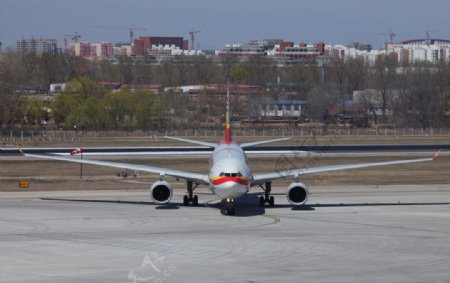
(429, 50)
(37, 46)
(406, 52)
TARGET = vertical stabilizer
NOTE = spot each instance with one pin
(227, 116)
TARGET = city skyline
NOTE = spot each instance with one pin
(229, 22)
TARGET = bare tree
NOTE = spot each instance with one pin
(320, 100)
(419, 103)
(228, 61)
(10, 98)
(384, 80)
(442, 82)
(260, 70)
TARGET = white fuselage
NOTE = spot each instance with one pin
(229, 173)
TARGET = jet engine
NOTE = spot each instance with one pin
(297, 193)
(161, 192)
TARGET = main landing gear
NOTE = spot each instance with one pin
(267, 198)
(228, 208)
(190, 198)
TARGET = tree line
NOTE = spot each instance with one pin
(407, 96)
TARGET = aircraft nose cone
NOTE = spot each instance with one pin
(229, 190)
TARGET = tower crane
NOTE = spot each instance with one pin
(131, 29)
(192, 33)
(391, 35)
(74, 37)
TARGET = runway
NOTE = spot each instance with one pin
(196, 150)
(347, 234)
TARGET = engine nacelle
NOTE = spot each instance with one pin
(297, 194)
(161, 192)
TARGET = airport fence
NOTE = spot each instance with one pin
(10, 136)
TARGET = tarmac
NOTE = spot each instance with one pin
(345, 234)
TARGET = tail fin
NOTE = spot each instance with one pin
(227, 139)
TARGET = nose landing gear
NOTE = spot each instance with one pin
(228, 208)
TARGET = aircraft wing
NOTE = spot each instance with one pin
(191, 176)
(267, 177)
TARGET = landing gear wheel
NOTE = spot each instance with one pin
(267, 198)
(271, 201)
(229, 210)
(261, 201)
(190, 198)
(195, 200)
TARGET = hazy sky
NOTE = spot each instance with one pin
(232, 21)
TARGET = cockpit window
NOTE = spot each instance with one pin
(239, 174)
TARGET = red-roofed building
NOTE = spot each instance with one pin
(115, 86)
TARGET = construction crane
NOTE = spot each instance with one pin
(109, 28)
(74, 37)
(132, 29)
(391, 35)
(192, 33)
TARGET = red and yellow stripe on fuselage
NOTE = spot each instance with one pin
(224, 179)
(229, 187)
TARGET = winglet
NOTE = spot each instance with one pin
(436, 155)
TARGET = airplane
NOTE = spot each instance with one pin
(229, 176)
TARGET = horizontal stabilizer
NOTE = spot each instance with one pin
(247, 144)
(208, 144)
